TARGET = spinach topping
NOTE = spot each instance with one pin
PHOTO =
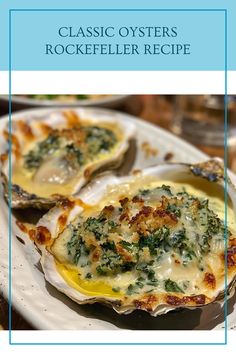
(43, 149)
(172, 286)
(147, 272)
(97, 140)
(127, 245)
(95, 226)
(166, 188)
(177, 238)
(76, 246)
(116, 289)
(109, 246)
(88, 276)
(155, 241)
(182, 225)
(131, 289)
(100, 226)
(163, 239)
(214, 225)
(101, 270)
(144, 192)
(112, 263)
(76, 153)
(172, 208)
(112, 225)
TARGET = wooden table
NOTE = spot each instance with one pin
(155, 109)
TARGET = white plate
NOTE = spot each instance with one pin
(45, 307)
(110, 101)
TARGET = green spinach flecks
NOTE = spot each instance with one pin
(172, 286)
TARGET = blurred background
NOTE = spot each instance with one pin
(199, 119)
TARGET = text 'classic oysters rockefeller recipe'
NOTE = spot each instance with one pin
(55, 154)
(153, 241)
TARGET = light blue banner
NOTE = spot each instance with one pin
(36, 44)
(117, 40)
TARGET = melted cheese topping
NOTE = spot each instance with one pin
(189, 268)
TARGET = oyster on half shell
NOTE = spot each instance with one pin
(55, 154)
(154, 241)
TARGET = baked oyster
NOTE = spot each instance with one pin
(55, 154)
(153, 241)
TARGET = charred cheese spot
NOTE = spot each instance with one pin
(124, 216)
(67, 203)
(72, 118)
(174, 300)
(123, 202)
(231, 257)
(96, 254)
(16, 149)
(210, 280)
(32, 233)
(87, 172)
(62, 221)
(21, 226)
(13, 138)
(178, 301)
(45, 128)
(232, 242)
(148, 303)
(137, 199)
(124, 253)
(27, 229)
(3, 157)
(25, 129)
(198, 299)
(108, 210)
(42, 235)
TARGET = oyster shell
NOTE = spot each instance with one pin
(54, 154)
(185, 268)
